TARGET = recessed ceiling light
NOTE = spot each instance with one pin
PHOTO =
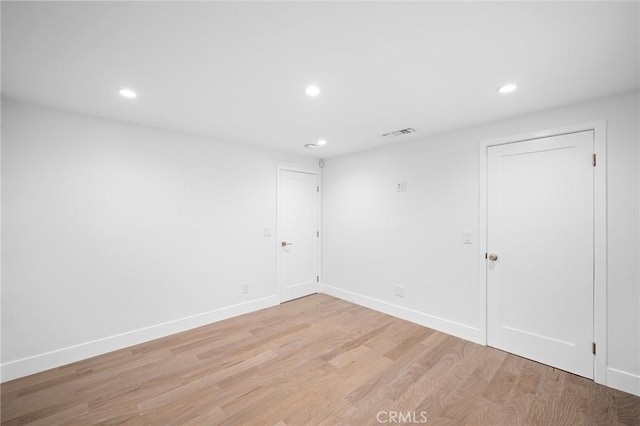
(507, 88)
(312, 91)
(321, 142)
(128, 93)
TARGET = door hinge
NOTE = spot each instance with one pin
(594, 160)
(593, 347)
(318, 234)
(317, 278)
(318, 188)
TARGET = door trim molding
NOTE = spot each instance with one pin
(318, 173)
(599, 128)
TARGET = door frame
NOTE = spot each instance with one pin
(599, 129)
(318, 173)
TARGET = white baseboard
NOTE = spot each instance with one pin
(623, 380)
(617, 379)
(446, 326)
(35, 364)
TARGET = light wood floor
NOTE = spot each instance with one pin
(316, 360)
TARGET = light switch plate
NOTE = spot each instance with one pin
(466, 237)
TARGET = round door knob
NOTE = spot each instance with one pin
(493, 257)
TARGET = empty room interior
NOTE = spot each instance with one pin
(320, 213)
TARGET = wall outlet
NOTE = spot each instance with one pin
(399, 291)
(245, 288)
(401, 187)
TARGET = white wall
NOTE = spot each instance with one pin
(115, 234)
(376, 238)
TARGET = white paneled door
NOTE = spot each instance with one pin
(298, 233)
(540, 250)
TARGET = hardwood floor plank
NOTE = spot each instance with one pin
(484, 412)
(505, 379)
(382, 380)
(431, 390)
(417, 336)
(316, 360)
(462, 401)
(628, 408)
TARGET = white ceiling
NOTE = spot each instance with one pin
(237, 71)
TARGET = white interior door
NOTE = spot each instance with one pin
(540, 221)
(298, 233)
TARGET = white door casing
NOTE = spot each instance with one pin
(298, 233)
(551, 323)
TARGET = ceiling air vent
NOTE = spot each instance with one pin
(406, 131)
